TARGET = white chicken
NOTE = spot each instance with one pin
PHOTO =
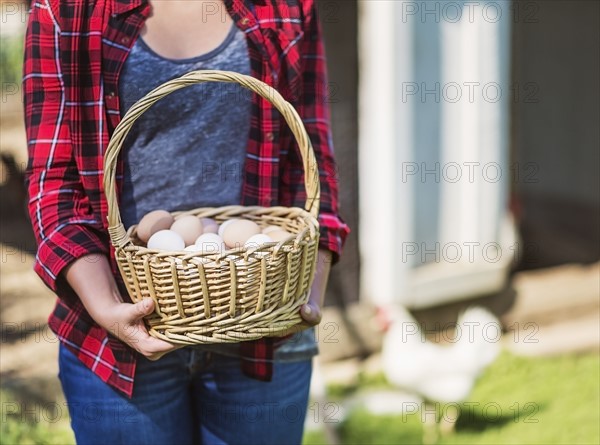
(440, 373)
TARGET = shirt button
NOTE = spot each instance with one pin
(111, 94)
(245, 21)
(270, 137)
(125, 40)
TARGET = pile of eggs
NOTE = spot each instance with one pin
(160, 231)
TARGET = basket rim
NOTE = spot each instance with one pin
(312, 230)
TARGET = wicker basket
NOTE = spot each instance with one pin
(241, 294)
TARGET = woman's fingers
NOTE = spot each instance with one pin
(150, 347)
(311, 313)
(154, 348)
(139, 310)
(311, 316)
(131, 329)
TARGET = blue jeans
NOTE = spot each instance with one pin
(187, 397)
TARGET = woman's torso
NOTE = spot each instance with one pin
(188, 149)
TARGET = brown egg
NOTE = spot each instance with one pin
(268, 229)
(209, 225)
(237, 232)
(188, 227)
(153, 222)
(279, 235)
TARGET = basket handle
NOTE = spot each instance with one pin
(311, 173)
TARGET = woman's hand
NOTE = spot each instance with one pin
(125, 321)
(91, 278)
(311, 311)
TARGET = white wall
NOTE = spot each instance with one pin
(433, 150)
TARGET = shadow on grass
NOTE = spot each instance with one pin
(37, 393)
(15, 226)
(365, 429)
(492, 416)
(28, 417)
(11, 333)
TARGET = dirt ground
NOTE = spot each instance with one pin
(28, 349)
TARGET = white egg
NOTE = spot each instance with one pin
(223, 226)
(197, 249)
(257, 240)
(166, 240)
(210, 243)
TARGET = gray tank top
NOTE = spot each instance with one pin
(188, 149)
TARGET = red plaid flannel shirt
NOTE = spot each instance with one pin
(74, 52)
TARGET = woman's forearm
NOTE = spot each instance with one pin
(91, 278)
(311, 312)
(317, 291)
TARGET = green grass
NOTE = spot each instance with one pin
(11, 60)
(518, 401)
(336, 392)
(30, 423)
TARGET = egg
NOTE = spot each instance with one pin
(166, 240)
(196, 249)
(237, 232)
(257, 240)
(269, 229)
(210, 243)
(189, 227)
(153, 222)
(279, 235)
(209, 225)
(222, 227)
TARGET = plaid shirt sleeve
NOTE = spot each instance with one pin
(59, 209)
(312, 105)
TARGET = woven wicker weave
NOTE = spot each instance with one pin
(240, 294)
